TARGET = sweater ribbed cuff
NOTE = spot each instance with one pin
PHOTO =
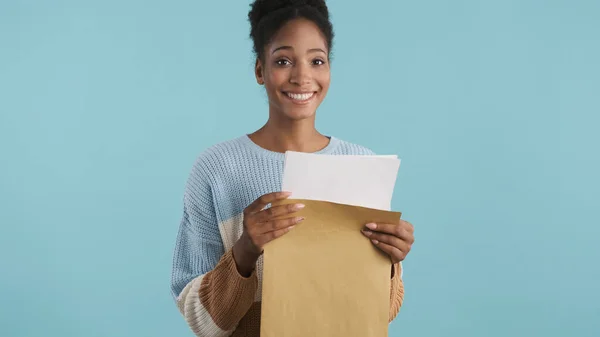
(396, 292)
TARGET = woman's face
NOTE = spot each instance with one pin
(295, 70)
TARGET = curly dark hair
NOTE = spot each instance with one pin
(268, 16)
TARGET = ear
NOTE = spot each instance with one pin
(258, 72)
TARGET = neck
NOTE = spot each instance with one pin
(280, 135)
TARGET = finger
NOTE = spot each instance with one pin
(276, 211)
(396, 255)
(258, 204)
(398, 230)
(272, 235)
(408, 226)
(274, 225)
(388, 239)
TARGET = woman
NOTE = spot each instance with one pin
(217, 264)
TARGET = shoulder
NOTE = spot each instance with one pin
(346, 147)
(213, 160)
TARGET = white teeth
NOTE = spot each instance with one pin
(300, 97)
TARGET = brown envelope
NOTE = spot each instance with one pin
(324, 277)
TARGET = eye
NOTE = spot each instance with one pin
(318, 62)
(282, 62)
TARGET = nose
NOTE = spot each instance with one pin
(301, 74)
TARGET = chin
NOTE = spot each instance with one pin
(299, 114)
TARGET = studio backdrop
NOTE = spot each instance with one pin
(492, 106)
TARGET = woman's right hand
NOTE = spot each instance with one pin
(260, 227)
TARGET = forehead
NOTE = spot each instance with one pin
(300, 34)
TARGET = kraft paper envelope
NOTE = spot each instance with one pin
(324, 277)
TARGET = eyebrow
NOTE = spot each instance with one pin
(291, 48)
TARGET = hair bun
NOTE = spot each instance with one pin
(268, 16)
(262, 8)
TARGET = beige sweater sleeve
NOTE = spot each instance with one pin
(214, 303)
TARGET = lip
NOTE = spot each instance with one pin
(297, 102)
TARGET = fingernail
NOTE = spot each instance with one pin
(298, 219)
(375, 241)
(299, 206)
(371, 226)
(367, 233)
(291, 227)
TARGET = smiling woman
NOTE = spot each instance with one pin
(295, 71)
(292, 43)
(217, 265)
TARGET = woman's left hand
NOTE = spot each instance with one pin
(393, 239)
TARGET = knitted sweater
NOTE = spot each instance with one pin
(212, 296)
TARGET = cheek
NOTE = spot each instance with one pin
(277, 77)
(324, 79)
(272, 85)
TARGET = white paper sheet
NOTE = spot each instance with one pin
(366, 181)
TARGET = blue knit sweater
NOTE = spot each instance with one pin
(223, 181)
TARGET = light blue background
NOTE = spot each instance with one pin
(492, 106)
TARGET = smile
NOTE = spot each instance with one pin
(300, 98)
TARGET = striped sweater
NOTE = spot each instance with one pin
(212, 296)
